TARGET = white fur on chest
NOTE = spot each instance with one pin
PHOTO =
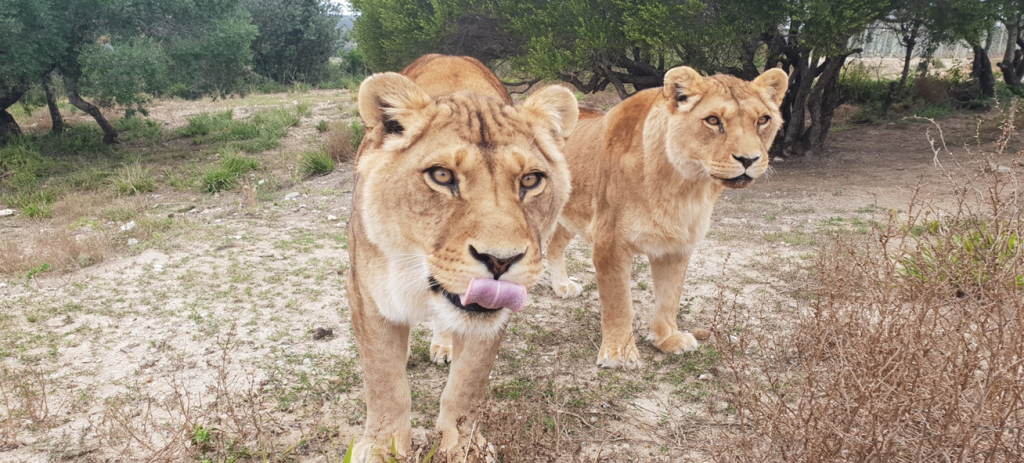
(401, 290)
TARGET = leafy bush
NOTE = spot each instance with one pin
(138, 128)
(20, 163)
(295, 38)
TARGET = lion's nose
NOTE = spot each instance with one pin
(496, 265)
(746, 161)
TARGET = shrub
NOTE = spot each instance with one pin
(136, 128)
(260, 132)
(908, 348)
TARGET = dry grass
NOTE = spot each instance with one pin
(910, 343)
(343, 138)
(59, 249)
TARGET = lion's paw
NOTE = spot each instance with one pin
(367, 451)
(619, 357)
(567, 289)
(676, 343)
(461, 446)
(440, 353)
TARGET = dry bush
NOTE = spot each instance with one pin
(343, 138)
(60, 249)
(932, 89)
(24, 402)
(910, 347)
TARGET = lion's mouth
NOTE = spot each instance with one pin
(455, 300)
(741, 181)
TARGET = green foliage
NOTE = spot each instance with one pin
(322, 126)
(295, 38)
(35, 204)
(37, 270)
(126, 76)
(317, 162)
(224, 176)
(21, 164)
(964, 254)
(358, 132)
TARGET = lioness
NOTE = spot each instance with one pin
(645, 178)
(456, 193)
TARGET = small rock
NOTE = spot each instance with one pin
(291, 196)
(146, 363)
(128, 226)
(704, 376)
(332, 218)
(321, 333)
(307, 362)
(778, 159)
(132, 242)
(6, 212)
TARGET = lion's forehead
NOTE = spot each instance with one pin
(481, 121)
(736, 97)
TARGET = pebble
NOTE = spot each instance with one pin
(6, 212)
(332, 218)
(132, 242)
(307, 362)
(704, 376)
(291, 196)
(128, 226)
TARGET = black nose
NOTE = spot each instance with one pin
(747, 162)
(495, 265)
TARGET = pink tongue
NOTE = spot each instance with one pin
(495, 294)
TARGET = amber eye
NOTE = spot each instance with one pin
(530, 181)
(713, 120)
(763, 120)
(442, 176)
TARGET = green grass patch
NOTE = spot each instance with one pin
(134, 178)
(260, 132)
(224, 176)
(137, 128)
(317, 162)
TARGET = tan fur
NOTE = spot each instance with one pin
(645, 178)
(406, 228)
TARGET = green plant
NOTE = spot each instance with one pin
(135, 127)
(316, 163)
(322, 126)
(37, 270)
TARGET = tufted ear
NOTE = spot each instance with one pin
(558, 107)
(775, 82)
(684, 85)
(394, 103)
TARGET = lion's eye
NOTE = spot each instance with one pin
(530, 181)
(763, 120)
(442, 176)
(713, 120)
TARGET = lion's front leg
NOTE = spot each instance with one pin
(382, 353)
(668, 273)
(618, 346)
(472, 360)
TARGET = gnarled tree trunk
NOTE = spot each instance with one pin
(981, 69)
(51, 103)
(109, 132)
(9, 96)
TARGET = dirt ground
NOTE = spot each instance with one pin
(219, 323)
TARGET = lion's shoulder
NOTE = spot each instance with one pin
(443, 74)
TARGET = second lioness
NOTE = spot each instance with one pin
(645, 178)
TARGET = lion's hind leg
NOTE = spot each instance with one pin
(560, 282)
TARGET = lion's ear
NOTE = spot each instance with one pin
(557, 108)
(684, 85)
(775, 82)
(394, 103)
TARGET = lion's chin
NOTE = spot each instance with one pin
(737, 183)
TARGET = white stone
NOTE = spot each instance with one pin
(7, 212)
(332, 218)
(128, 226)
(132, 242)
(291, 196)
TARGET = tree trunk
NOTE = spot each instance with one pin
(8, 126)
(109, 132)
(57, 127)
(823, 101)
(1009, 63)
(981, 69)
(794, 105)
(911, 41)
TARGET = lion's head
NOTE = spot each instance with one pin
(460, 187)
(722, 126)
